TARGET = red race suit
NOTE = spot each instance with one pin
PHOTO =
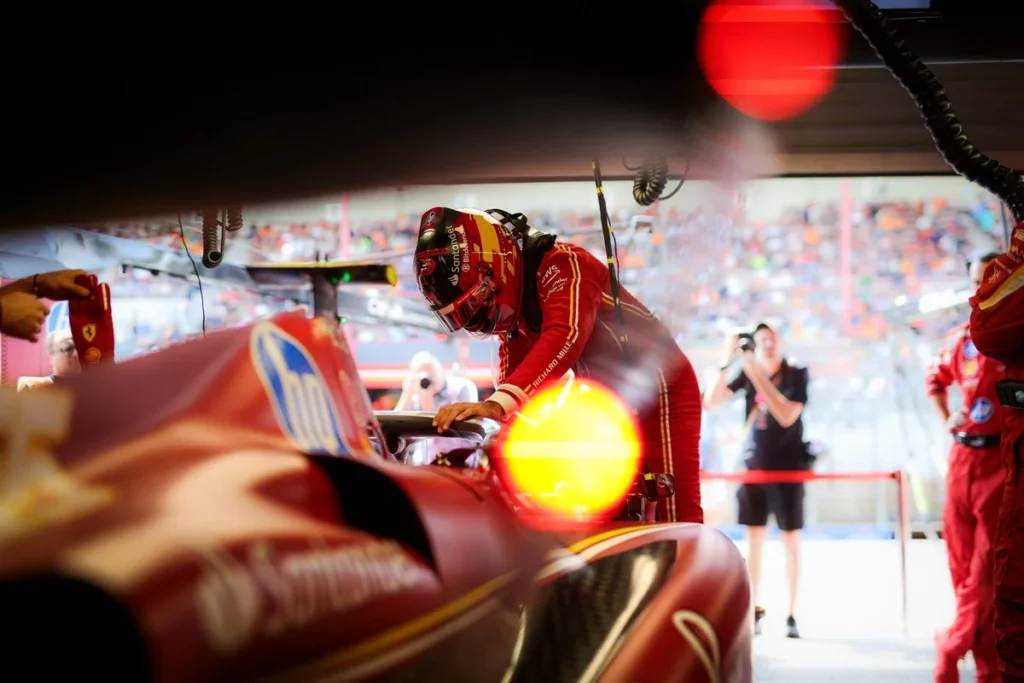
(579, 330)
(997, 324)
(974, 484)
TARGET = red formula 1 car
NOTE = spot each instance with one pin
(231, 509)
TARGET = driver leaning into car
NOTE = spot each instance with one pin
(550, 303)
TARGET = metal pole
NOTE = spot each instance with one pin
(606, 231)
(845, 252)
(344, 228)
(902, 487)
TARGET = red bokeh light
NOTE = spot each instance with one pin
(770, 59)
(573, 451)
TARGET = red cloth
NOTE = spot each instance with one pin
(997, 325)
(580, 331)
(92, 326)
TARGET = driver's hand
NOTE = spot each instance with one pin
(463, 411)
(63, 284)
(955, 421)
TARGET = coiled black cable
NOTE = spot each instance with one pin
(234, 219)
(935, 107)
(650, 181)
(211, 239)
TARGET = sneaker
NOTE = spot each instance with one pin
(791, 630)
(758, 616)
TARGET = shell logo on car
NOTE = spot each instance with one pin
(300, 397)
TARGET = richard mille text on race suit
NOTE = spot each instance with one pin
(269, 595)
(552, 284)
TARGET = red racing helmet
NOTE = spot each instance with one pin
(469, 268)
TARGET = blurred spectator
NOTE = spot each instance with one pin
(60, 347)
(775, 393)
(427, 387)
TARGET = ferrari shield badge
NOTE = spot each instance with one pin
(89, 332)
(302, 401)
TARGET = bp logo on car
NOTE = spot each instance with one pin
(301, 399)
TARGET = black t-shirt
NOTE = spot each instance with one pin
(771, 446)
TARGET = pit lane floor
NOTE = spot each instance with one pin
(850, 614)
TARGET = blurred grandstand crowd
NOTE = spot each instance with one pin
(702, 271)
(705, 272)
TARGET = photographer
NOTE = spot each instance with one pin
(429, 389)
(775, 393)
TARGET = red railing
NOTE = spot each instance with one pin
(796, 477)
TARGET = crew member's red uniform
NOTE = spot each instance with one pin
(580, 331)
(973, 491)
(997, 325)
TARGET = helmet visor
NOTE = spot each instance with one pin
(467, 310)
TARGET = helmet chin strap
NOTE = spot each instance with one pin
(516, 223)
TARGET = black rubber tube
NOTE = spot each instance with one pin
(935, 107)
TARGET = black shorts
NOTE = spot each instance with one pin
(784, 501)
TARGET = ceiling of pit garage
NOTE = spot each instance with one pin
(135, 133)
(867, 125)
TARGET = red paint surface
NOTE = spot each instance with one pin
(204, 476)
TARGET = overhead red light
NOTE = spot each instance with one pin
(771, 59)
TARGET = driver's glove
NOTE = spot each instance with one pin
(92, 325)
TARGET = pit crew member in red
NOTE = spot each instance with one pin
(973, 490)
(490, 273)
(997, 327)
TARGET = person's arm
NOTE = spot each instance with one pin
(427, 403)
(22, 286)
(405, 401)
(785, 411)
(938, 380)
(467, 393)
(569, 301)
(724, 390)
(59, 284)
(997, 309)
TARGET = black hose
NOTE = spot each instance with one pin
(234, 221)
(650, 181)
(935, 107)
(211, 239)
(610, 251)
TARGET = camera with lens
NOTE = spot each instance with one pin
(425, 382)
(746, 342)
